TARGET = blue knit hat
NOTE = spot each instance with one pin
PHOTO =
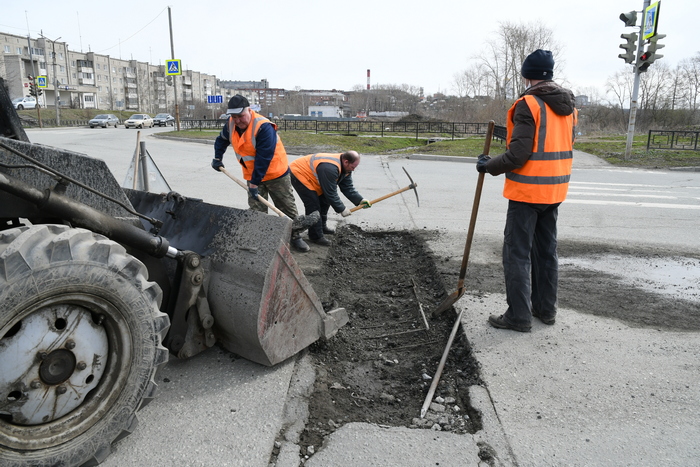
(539, 65)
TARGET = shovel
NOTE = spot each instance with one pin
(299, 223)
(457, 294)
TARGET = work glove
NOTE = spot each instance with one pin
(365, 204)
(481, 163)
(253, 192)
(217, 164)
(346, 212)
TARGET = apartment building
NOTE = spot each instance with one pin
(94, 81)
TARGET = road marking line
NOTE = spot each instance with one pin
(628, 203)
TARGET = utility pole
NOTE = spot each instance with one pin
(55, 79)
(635, 92)
(172, 52)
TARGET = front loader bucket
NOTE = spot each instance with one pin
(263, 306)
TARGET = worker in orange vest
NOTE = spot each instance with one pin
(262, 158)
(316, 179)
(541, 127)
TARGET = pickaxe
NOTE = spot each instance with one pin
(299, 223)
(412, 186)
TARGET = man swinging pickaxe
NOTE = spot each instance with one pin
(412, 186)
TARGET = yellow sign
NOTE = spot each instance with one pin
(651, 20)
(173, 67)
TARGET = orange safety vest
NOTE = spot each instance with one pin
(244, 147)
(304, 169)
(544, 179)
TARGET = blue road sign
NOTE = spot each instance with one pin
(215, 99)
(173, 67)
(41, 81)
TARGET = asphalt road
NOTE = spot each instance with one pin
(215, 410)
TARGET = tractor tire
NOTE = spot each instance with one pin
(80, 343)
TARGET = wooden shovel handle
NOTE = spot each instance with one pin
(260, 198)
(475, 209)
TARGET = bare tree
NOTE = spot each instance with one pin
(505, 54)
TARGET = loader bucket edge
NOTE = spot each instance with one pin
(263, 306)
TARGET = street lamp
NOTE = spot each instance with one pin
(55, 79)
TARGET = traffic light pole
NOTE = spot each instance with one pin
(635, 90)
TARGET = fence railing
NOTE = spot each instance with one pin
(429, 130)
(673, 139)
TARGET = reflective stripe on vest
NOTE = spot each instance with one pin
(244, 146)
(544, 178)
(305, 169)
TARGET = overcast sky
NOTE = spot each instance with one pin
(327, 44)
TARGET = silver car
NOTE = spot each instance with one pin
(104, 120)
(139, 121)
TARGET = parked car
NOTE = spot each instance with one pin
(164, 120)
(22, 103)
(104, 120)
(223, 117)
(139, 121)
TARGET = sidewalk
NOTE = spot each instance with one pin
(587, 391)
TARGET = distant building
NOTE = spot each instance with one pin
(581, 101)
(94, 81)
(325, 111)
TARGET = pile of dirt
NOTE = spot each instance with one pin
(379, 367)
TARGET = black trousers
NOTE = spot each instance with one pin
(530, 261)
(312, 202)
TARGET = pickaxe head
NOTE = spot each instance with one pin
(413, 185)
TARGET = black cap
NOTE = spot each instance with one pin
(237, 104)
(539, 65)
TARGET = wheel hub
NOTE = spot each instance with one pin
(57, 367)
(49, 363)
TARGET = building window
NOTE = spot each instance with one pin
(60, 56)
(89, 98)
(75, 76)
(72, 63)
(19, 50)
(62, 68)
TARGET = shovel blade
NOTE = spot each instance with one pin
(448, 302)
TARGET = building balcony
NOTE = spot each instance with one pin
(131, 85)
(86, 81)
(86, 69)
(130, 75)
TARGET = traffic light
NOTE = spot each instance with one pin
(169, 78)
(32, 86)
(630, 18)
(630, 47)
(649, 56)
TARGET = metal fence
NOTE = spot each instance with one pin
(438, 129)
(428, 130)
(673, 139)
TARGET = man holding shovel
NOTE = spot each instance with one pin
(541, 126)
(316, 179)
(263, 160)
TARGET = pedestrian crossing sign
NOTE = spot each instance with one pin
(172, 67)
(41, 81)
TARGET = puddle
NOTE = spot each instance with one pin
(675, 276)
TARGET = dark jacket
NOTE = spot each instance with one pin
(331, 179)
(559, 99)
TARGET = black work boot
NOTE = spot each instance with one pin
(299, 244)
(328, 230)
(545, 319)
(500, 323)
(323, 241)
